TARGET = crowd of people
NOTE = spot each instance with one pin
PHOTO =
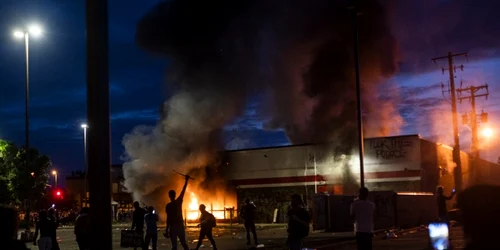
(144, 221)
(298, 225)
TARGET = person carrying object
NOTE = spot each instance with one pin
(175, 222)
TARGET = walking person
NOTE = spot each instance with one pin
(151, 219)
(207, 223)
(82, 229)
(248, 214)
(45, 227)
(52, 215)
(441, 203)
(138, 222)
(298, 223)
(175, 221)
(362, 212)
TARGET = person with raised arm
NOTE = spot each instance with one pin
(175, 221)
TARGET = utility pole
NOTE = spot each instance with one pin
(355, 12)
(456, 147)
(99, 172)
(472, 95)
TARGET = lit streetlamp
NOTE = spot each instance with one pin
(33, 30)
(54, 173)
(487, 132)
(85, 127)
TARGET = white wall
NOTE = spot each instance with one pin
(381, 155)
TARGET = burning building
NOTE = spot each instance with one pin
(401, 164)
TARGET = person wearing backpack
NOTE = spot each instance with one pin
(298, 223)
(207, 223)
(151, 219)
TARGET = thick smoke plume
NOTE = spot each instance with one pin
(298, 54)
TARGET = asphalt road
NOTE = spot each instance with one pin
(412, 240)
(233, 238)
(273, 237)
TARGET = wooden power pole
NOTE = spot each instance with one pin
(472, 94)
(456, 148)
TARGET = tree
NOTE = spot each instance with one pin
(32, 178)
(8, 172)
(19, 181)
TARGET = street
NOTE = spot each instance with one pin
(226, 237)
(412, 240)
(273, 236)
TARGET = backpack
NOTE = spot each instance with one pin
(213, 221)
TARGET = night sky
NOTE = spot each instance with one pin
(58, 80)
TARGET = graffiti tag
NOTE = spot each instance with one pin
(388, 149)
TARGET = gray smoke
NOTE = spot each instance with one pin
(298, 54)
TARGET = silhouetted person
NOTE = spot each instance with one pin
(151, 219)
(138, 221)
(480, 207)
(362, 212)
(52, 215)
(207, 223)
(298, 223)
(82, 229)
(248, 214)
(8, 230)
(45, 227)
(175, 222)
(441, 203)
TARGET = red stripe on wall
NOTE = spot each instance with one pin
(393, 174)
(310, 178)
(278, 180)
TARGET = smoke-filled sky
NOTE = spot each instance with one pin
(277, 106)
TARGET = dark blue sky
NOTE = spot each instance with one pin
(58, 82)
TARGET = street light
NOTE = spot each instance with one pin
(34, 30)
(85, 126)
(54, 173)
(487, 132)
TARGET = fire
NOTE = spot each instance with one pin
(217, 208)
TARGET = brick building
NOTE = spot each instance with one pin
(401, 163)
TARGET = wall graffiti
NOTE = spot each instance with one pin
(392, 148)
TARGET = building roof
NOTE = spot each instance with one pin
(312, 144)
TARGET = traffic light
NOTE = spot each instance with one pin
(58, 194)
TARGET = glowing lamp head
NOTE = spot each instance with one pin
(54, 172)
(35, 30)
(18, 34)
(487, 132)
(84, 126)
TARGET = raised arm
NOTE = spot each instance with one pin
(181, 195)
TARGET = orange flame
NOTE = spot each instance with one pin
(213, 205)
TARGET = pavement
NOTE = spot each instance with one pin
(414, 239)
(273, 236)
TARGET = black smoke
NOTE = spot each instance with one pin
(296, 53)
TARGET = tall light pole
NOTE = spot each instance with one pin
(361, 147)
(33, 30)
(54, 173)
(85, 126)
